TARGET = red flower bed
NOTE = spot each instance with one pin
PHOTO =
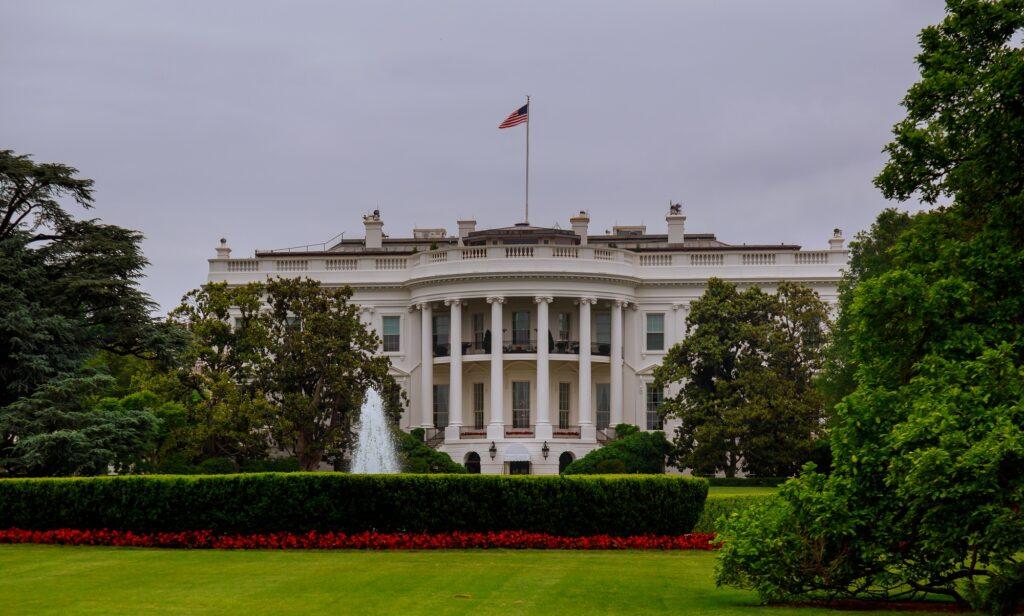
(202, 539)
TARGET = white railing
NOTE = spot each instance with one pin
(474, 253)
(603, 254)
(334, 265)
(811, 258)
(291, 265)
(518, 252)
(656, 260)
(707, 260)
(759, 258)
(438, 257)
(565, 252)
(248, 265)
(389, 263)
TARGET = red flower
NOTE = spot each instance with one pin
(204, 539)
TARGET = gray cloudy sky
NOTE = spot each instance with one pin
(279, 123)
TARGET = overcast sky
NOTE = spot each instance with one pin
(280, 123)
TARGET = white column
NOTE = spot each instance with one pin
(455, 371)
(426, 367)
(543, 425)
(616, 364)
(587, 430)
(496, 427)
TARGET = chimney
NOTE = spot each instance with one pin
(466, 227)
(836, 241)
(579, 226)
(223, 251)
(676, 224)
(374, 230)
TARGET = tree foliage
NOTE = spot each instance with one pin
(928, 448)
(69, 289)
(632, 452)
(744, 374)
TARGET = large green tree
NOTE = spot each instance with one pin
(928, 475)
(743, 373)
(69, 289)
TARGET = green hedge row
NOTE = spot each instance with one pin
(296, 502)
(717, 507)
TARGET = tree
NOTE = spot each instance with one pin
(68, 290)
(928, 447)
(632, 452)
(316, 367)
(745, 398)
(417, 457)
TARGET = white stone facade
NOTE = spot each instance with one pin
(584, 320)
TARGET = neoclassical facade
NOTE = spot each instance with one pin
(520, 348)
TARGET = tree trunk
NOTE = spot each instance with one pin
(308, 453)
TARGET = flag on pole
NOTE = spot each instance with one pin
(517, 117)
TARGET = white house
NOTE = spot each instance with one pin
(520, 347)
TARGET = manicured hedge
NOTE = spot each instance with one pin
(746, 482)
(339, 502)
(717, 507)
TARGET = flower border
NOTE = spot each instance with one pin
(315, 540)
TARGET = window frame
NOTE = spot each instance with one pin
(437, 411)
(653, 420)
(384, 335)
(564, 405)
(648, 332)
(479, 400)
(521, 415)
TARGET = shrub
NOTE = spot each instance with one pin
(417, 457)
(746, 482)
(216, 466)
(718, 509)
(338, 502)
(639, 452)
(272, 465)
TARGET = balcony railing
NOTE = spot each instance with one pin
(517, 344)
(566, 432)
(472, 432)
(511, 432)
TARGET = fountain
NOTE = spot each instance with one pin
(375, 445)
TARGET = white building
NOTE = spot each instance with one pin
(521, 347)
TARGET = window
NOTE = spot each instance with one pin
(238, 323)
(604, 405)
(441, 334)
(654, 398)
(564, 325)
(478, 331)
(472, 462)
(655, 331)
(520, 327)
(292, 322)
(478, 406)
(520, 404)
(563, 406)
(603, 333)
(564, 460)
(440, 406)
(391, 327)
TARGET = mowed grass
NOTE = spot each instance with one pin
(726, 491)
(99, 580)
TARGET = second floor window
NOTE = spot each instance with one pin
(391, 333)
(563, 405)
(440, 406)
(521, 327)
(604, 405)
(440, 337)
(478, 405)
(655, 331)
(478, 331)
(564, 325)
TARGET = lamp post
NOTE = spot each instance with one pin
(545, 450)
(493, 450)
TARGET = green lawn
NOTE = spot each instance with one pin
(716, 491)
(91, 580)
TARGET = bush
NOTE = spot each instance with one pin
(417, 457)
(718, 509)
(272, 465)
(216, 466)
(299, 502)
(639, 452)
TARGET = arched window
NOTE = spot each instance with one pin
(565, 460)
(472, 462)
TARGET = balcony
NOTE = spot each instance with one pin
(469, 432)
(519, 344)
(511, 432)
(566, 432)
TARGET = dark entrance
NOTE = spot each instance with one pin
(473, 463)
(564, 460)
(518, 468)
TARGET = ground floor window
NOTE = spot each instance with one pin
(518, 468)
(654, 398)
(604, 405)
(520, 404)
(478, 406)
(472, 463)
(440, 406)
(565, 460)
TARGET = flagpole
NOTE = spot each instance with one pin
(527, 220)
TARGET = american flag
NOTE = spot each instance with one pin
(517, 117)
